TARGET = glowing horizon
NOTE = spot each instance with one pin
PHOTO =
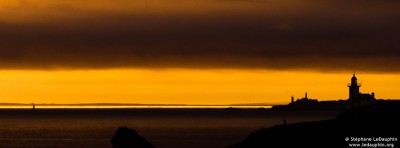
(184, 86)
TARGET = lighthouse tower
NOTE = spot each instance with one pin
(354, 90)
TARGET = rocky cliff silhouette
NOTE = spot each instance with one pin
(378, 120)
(129, 138)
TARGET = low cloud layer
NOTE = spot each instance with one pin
(258, 34)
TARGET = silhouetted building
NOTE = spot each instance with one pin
(304, 101)
(292, 101)
(357, 99)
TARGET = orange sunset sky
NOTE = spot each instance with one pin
(177, 86)
(196, 51)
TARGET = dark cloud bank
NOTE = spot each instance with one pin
(330, 35)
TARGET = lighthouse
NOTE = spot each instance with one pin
(354, 90)
(357, 99)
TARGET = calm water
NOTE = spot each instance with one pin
(165, 128)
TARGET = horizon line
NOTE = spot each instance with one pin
(136, 104)
(158, 104)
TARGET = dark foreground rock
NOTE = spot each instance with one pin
(379, 123)
(129, 138)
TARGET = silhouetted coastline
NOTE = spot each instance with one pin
(377, 120)
(313, 106)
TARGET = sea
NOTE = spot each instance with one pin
(164, 127)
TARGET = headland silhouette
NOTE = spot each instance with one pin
(356, 99)
(363, 116)
(375, 120)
